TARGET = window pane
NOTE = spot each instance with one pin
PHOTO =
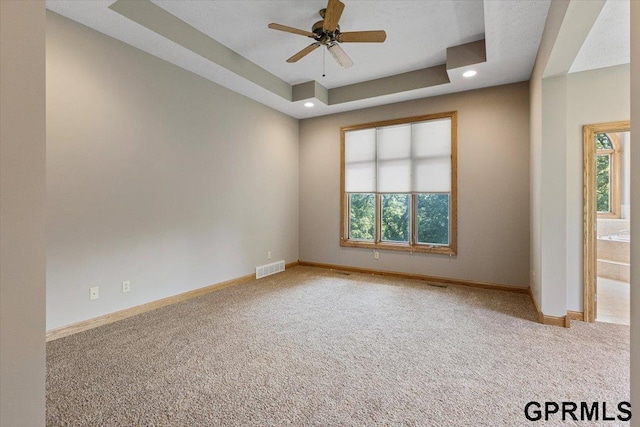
(603, 142)
(395, 217)
(603, 182)
(432, 217)
(362, 216)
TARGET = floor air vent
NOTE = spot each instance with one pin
(437, 285)
(269, 269)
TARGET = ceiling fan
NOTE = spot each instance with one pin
(327, 33)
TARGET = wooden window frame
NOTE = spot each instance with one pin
(412, 245)
(615, 175)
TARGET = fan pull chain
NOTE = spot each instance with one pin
(323, 63)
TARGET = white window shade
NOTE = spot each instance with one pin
(360, 161)
(431, 138)
(394, 159)
(432, 175)
(403, 158)
(431, 155)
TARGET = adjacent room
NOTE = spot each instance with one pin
(328, 212)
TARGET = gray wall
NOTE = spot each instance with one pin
(493, 188)
(560, 104)
(553, 196)
(596, 96)
(157, 176)
(553, 25)
(22, 213)
(635, 201)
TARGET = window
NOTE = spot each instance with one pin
(608, 175)
(398, 184)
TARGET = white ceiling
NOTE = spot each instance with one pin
(609, 41)
(418, 34)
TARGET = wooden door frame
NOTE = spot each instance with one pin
(590, 213)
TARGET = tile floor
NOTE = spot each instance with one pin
(613, 301)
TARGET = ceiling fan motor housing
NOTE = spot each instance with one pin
(321, 35)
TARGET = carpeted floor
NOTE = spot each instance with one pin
(316, 347)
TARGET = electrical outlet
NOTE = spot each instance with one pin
(94, 293)
(126, 286)
(376, 255)
(268, 254)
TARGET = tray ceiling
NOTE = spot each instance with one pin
(418, 36)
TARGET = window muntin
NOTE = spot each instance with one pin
(407, 168)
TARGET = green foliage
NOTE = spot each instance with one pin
(433, 218)
(362, 216)
(603, 187)
(603, 173)
(395, 217)
(603, 142)
(432, 215)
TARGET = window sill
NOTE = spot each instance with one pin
(608, 215)
(403, 247)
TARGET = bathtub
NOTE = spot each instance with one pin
(614, 256)
(617, 238)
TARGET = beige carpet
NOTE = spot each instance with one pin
(315, 347)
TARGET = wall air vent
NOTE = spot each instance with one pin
(269, 269)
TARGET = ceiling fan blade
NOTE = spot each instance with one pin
(339, 55)
(362, 37)
(332, 15)
(304, 52)
(291, 30)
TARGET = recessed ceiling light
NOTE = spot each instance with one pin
(308, 104)
(469, 73)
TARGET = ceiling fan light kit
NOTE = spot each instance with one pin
(339, 55)
(327, 33)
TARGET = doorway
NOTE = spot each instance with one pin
(607, 233)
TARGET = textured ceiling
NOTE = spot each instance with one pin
(609, 41)
(418, 35)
